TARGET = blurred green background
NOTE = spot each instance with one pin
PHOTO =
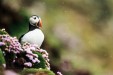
(78, 33)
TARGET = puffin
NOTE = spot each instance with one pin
(34, 34)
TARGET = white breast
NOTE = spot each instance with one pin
(34, 37)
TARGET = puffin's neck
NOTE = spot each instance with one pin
(32, 27)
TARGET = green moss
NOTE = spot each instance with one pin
(42, 61)
(2, 60)
(37, 71)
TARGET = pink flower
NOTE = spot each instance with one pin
(35, 55)
(28, 64)
(29, 56)
(37, 60)
(2, 43)
(32, 48)
(59, 73)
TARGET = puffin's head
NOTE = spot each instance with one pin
(35, 21)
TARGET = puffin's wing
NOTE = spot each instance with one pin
(21, 38)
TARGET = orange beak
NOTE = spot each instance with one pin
(40, 23)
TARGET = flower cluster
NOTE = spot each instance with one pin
(25, 55)
(45, 56)
(11, 43)
(30, 48)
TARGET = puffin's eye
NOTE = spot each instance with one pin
(34, 17)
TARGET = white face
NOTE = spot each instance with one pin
(34, 20)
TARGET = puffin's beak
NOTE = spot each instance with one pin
(40, 23)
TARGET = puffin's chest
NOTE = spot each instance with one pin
(36, 37)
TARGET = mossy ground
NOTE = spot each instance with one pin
(37, 71)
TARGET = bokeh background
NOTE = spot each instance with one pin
(78, 33)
